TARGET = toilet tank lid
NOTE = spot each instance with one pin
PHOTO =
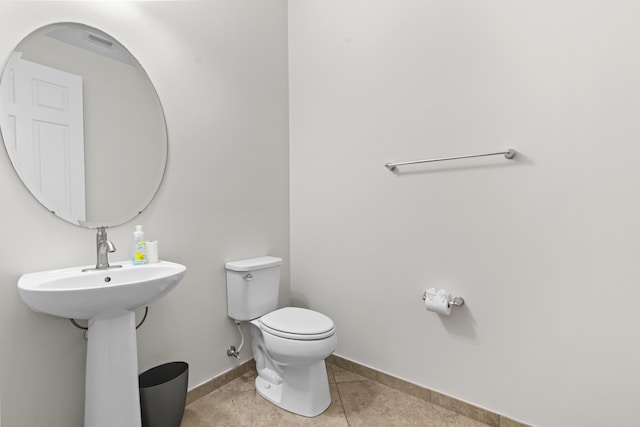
(253, 263)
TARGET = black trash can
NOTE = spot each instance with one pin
(163, 394)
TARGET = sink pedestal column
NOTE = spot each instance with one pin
(111, 396)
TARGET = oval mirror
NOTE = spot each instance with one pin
(82, 125)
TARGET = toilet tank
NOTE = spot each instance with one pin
(252, 287)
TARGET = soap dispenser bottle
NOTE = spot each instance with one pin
(139, 247)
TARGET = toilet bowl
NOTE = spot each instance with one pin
(290, 363)
(289, 344)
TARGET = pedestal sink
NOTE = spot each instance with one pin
(107, 299)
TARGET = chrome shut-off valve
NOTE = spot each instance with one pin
(232, 352)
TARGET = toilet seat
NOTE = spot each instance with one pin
(297, 324)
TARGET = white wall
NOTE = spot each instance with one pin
(220, 69)
(535, 246)
(544, 249)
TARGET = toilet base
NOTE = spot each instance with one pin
(303, 390)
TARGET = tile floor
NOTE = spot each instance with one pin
(355, 401)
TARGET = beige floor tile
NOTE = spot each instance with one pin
(330, 376)
(217, 409)
(245, 382)
(356, 401)
(368, 403)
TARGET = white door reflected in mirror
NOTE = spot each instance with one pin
(43, 111)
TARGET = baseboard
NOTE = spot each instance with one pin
(222, 379)
(468, 410)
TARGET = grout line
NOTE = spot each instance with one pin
(333, 374)
(346, 418)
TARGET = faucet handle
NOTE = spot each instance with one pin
(102, 233)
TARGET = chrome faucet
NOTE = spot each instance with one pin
(104, 248)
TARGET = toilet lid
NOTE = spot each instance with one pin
(297, 323)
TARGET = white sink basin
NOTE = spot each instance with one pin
(108, 299)
(77, 294)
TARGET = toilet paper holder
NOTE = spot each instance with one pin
(455, 302)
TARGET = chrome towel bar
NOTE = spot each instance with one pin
(509, 153)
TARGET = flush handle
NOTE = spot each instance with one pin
(248, 277)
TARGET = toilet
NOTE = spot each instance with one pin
(289, 344)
